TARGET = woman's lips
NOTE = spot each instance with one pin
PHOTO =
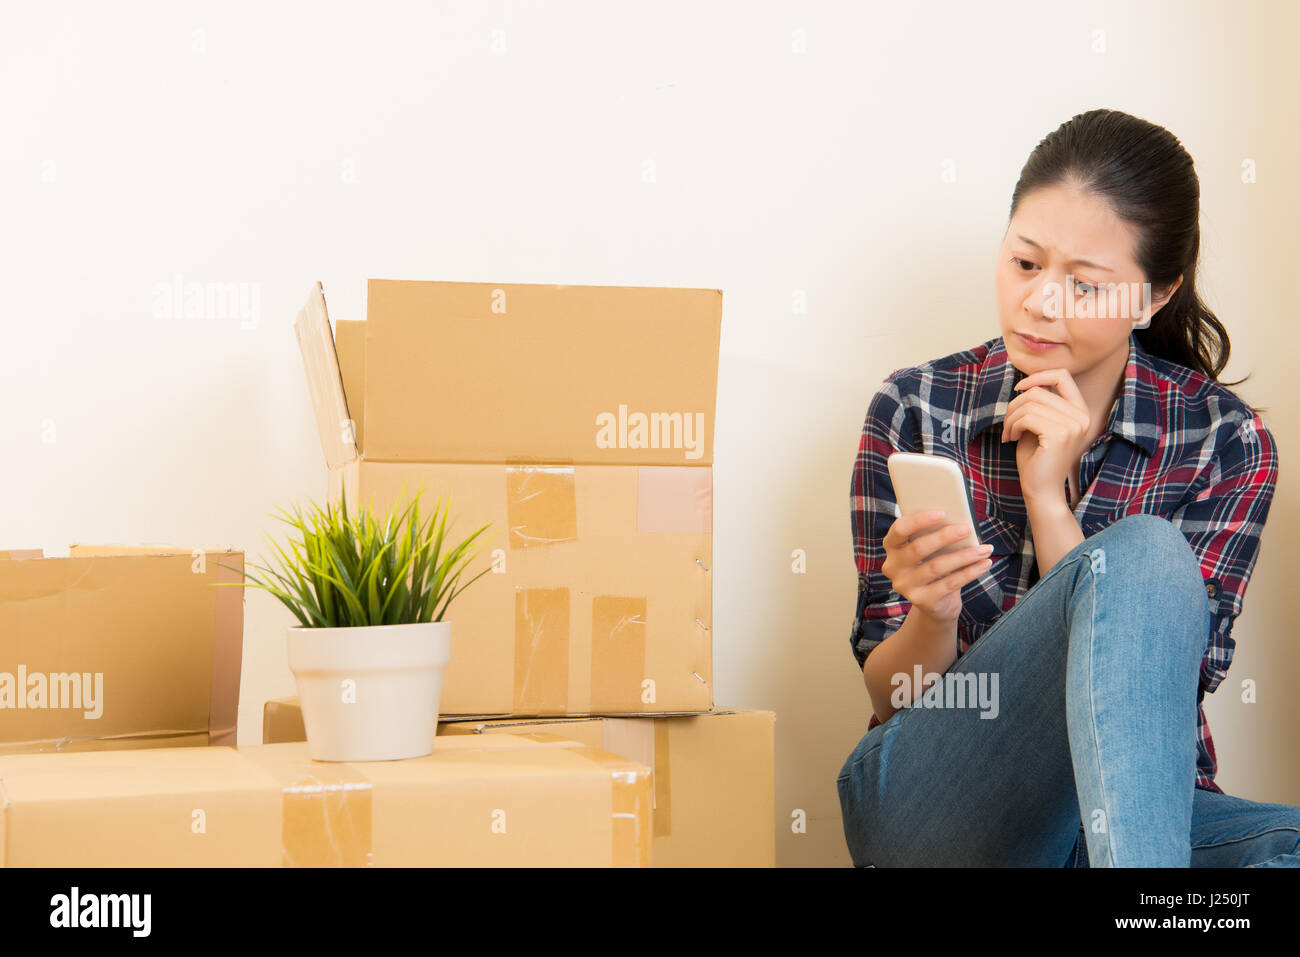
(1036, 345)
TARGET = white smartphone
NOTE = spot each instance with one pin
(923, 481)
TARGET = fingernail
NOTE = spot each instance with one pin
(986, 549)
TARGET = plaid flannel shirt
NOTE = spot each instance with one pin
(1177, 444)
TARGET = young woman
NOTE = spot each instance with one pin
(1120, 492)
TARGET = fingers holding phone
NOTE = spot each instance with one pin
(922, 569)
(936, 511)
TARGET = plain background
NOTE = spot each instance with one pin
(842, 171)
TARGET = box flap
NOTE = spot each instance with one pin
(101, 551)
(492, 373)
(350, 347)
(320, 362)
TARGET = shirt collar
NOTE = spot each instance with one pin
(1134, 417)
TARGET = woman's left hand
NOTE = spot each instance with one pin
(1050, 429)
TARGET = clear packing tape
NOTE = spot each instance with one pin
(531, 799)
(542, 511)
(328, 809)
(644, 740)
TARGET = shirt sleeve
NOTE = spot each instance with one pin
(1223, 524)
(880, 609)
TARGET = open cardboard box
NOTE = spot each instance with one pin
(118, 647)
(578, 422)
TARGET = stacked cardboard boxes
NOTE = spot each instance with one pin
(121, 666)
(577, 421)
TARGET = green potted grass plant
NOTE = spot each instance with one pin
(371, 647)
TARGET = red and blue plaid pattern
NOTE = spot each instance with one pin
(1177, 444)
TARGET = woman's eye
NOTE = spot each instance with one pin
(1083, 288)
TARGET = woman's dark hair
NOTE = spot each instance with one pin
(1144, 174)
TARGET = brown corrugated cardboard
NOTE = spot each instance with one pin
(519, 800)
(501, 372)
(21, 553)
(600, 598)
(282, 721)
(714, 774)
(350, 339)
(120, 647)
(613, 620)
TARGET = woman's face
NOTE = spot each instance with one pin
(1066, 273)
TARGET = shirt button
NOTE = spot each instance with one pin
(1211, 589)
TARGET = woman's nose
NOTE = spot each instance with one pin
(1045, 297)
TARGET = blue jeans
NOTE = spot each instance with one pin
(1088, 757)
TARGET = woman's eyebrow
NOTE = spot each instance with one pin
(1072, 262)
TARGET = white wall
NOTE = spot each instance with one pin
(217, 141)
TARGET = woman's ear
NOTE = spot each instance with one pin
(1157, 302)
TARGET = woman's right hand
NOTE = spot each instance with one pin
(932, 584)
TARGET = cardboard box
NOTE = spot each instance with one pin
(494, 800)
(119, 647)
(282, 721)
(714, 774)
(578, 422)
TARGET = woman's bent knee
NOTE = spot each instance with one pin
(1144, 569)
(1149, 549)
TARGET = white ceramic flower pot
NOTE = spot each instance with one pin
(370, 693)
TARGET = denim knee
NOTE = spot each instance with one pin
(1152, 553)
(1152, 545)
